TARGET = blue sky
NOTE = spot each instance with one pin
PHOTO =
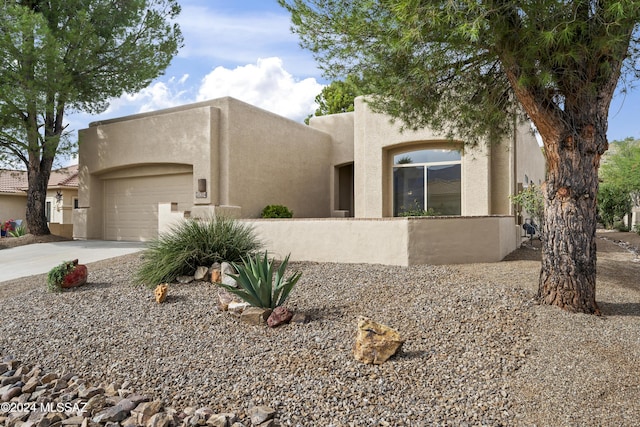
(245, 49)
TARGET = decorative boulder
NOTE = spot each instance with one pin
(227, 269)
(279, 316)
(161, 293)
(375, 343)
(201, 273)
(224, 299)
(215, 275)
(237, 307)
(77, 276)
(255, 315)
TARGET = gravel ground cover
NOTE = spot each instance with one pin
(479, 351)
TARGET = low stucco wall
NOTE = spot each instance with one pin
(391, 241)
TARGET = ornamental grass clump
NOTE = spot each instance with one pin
(257, 285)
(193, 243)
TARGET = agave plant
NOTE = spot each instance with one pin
(256, 284)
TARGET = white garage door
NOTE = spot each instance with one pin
(131, 204)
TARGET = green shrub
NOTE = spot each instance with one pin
(620, 226)
(276, 211)
(55, 277)
(256, 284)
(613, 204)
(193, 243)
(419, 212)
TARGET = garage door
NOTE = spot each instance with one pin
(131, 204)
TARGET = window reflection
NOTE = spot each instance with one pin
(427, 182)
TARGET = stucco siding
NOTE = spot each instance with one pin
(273, 160)
(391, 241)
(13, 206)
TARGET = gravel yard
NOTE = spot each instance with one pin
(478, 350)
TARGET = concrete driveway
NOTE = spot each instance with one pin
(39, 258)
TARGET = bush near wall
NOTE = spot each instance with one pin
(276, 211)
(193, 243)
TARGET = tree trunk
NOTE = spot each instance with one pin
(568, 273)
(38, 174)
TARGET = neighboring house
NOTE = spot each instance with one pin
(62, 198)
(140, 173)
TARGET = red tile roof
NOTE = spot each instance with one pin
(13, 181)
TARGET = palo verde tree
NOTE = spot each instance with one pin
(72, 55)
(467, 68)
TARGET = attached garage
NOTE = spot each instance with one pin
(131, 204)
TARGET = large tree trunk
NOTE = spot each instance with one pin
(38, 174)
(568, 273)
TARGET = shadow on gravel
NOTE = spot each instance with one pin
(174, 299)
(414, 354)
(90, 286)
(326, 312)
(619, 309)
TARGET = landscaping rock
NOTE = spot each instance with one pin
(279, 316)
(255, 315)
(375, 343)
(227, 269)
(236, 307)
(215, 275)
(260, 414)
(184, 279)
(13, 392)
(145, 410)
(161, 293)
(201, 273)
(224, 299)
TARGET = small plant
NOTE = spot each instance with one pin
(19, 231)
(192, 243)
(531, 200)
(7, 226)
(419, 212)
(276, 211)
(620, 226)
(256, 284)
(55, 277)
(636, 228)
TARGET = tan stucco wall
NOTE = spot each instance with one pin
(377, 140)
(249, 157)
(530, 160)
(391, 241)
(268, 159)
(175, 138)
(460, 240)
(12, 206)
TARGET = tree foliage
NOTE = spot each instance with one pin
(72, 55)
(467, 68)
(458, 63)
(338, 96)
(621, 167)
(532, 201)
(613, 204)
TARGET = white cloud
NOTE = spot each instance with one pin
(266, 85)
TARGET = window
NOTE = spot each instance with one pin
(427, 180)
(47, 211)
(75, 203)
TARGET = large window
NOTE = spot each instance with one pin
(427, 180)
